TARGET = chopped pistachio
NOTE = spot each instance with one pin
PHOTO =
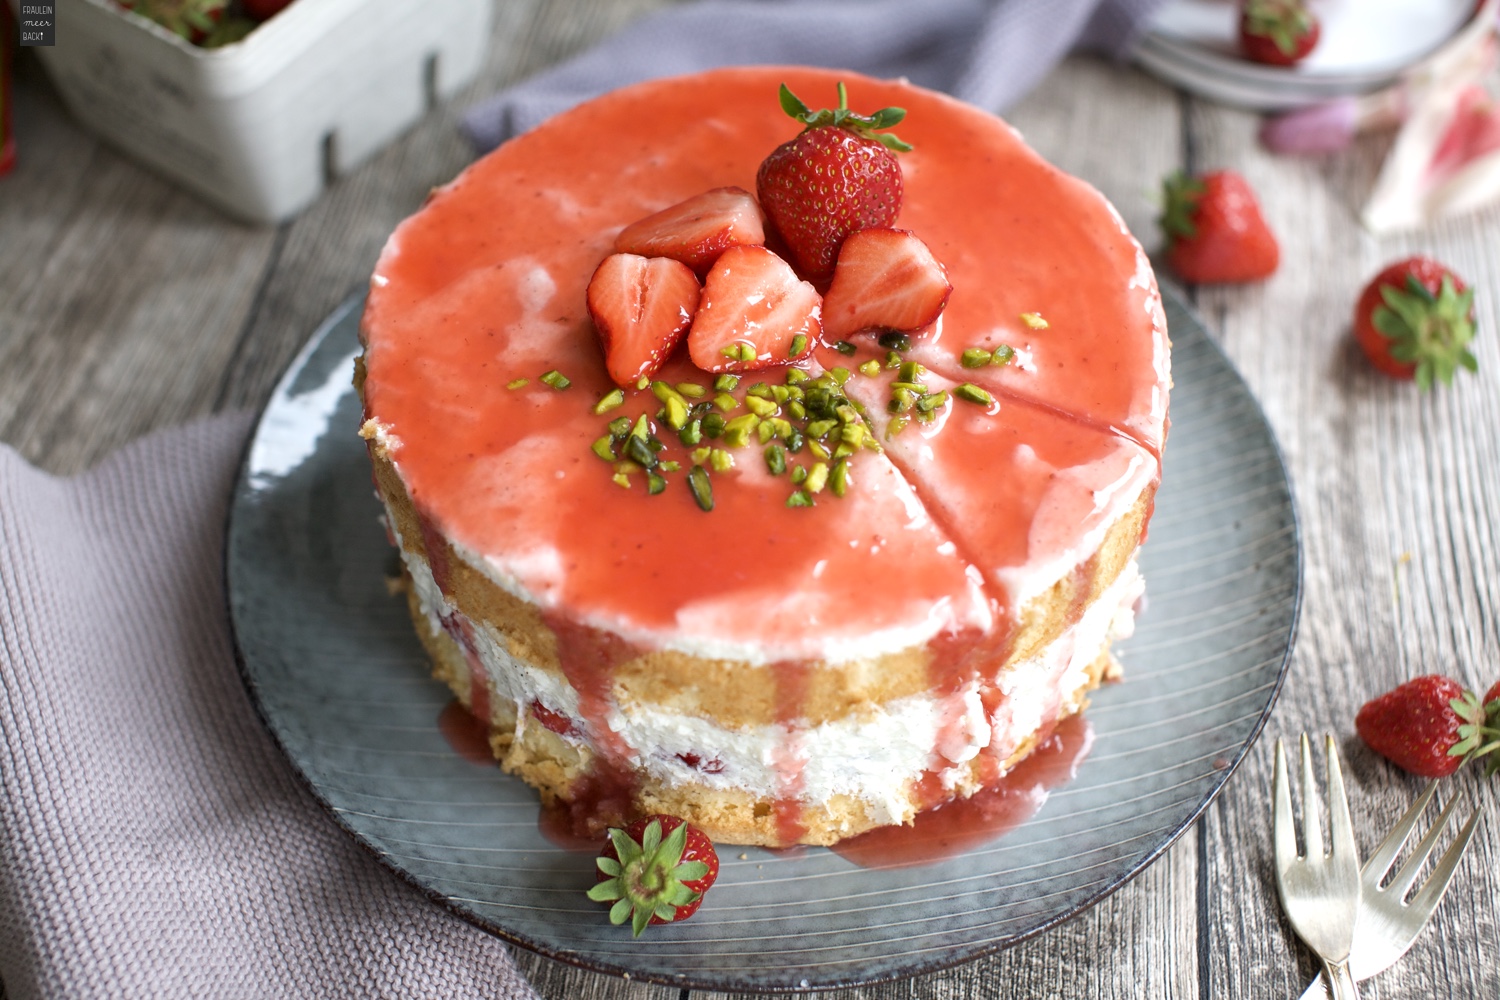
(800, 498)
(604, 447)
(713, 425)
(644, 382)
(931, 402)
(1034, 320)
(845, 348)
(737, 431)
(638, 451)
(619, 426)
(1003, 355)
(870, 368)
(726, 383)
(700, 455)
(626, 467)
(721, 460)
(817, 477)
(664, 392)
(780, 393)
(817, 449)
(796, 376)
(896, 427)
(852, 434)
(642, 428)
(517, 383)
(973, 394)
(609, 401)
(775, 459)
(691, 433)
(655, 443)
(901, 400)
(799, 344)
(911, 372)
(975, 357)
(916, 387)
(677, 413)
(655, 483)
(847, 413)
(738, 351)
(796, 409)
(701, 488)
(926, 416)
(556, 379)
(762, 407)
(895, 341)
(819, 428)
(840, 374)
(795, 441)
(892, 359)
(621, 479)
(760, 390)
(838, 480)
(781, 427)
(691, 389)
(843, 451)
(766, 430)
(726, 402)
(799, 474)
(670, 466)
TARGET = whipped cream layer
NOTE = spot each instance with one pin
(876, 756)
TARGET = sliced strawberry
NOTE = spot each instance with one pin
(886, 279)
(641, 307)
(755, 313)
(696, 231)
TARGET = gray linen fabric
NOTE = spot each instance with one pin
(153, 840)
(987, 52)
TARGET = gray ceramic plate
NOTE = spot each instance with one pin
(341, 681)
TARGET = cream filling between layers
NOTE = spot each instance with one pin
(873, 757)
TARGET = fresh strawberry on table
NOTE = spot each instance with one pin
(697, 230)
(886, 279)
(1215, 231)
(1432, 725)
(755, 313)
(641, 307)
(1415, 321)
(1277, 32)
(838, 176)
(655, 871)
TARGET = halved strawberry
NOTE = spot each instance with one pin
(641, 307)
(886, 279)
(755, 313)
(696, 231)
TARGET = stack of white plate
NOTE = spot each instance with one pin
(1364, 46)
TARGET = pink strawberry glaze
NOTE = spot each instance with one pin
(486, 284)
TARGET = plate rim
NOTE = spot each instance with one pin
(1170, 292)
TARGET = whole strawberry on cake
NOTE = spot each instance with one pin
(753, 466)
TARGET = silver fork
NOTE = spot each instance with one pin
(1319, 891)
(1388, 922)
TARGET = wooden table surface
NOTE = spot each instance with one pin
(127, 305)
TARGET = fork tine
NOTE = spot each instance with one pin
(1403, 879)
(1385, 855)
(1283, 830)
(1340, 828)
(1431, 894)
(1312, 827)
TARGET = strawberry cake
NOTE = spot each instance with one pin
(697, 527)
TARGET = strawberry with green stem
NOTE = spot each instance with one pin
(1277, 32)
(838, 176)
(655, 871)
(1432, 725)
(1415, 320)
(1214, 228)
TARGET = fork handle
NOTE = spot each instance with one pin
(1340, 983)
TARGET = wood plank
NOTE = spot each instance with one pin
(1397, 497)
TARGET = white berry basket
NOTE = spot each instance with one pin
(259, 127)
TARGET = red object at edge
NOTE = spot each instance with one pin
(7, 56)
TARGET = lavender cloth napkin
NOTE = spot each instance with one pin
(987, 52)
(153, 840)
